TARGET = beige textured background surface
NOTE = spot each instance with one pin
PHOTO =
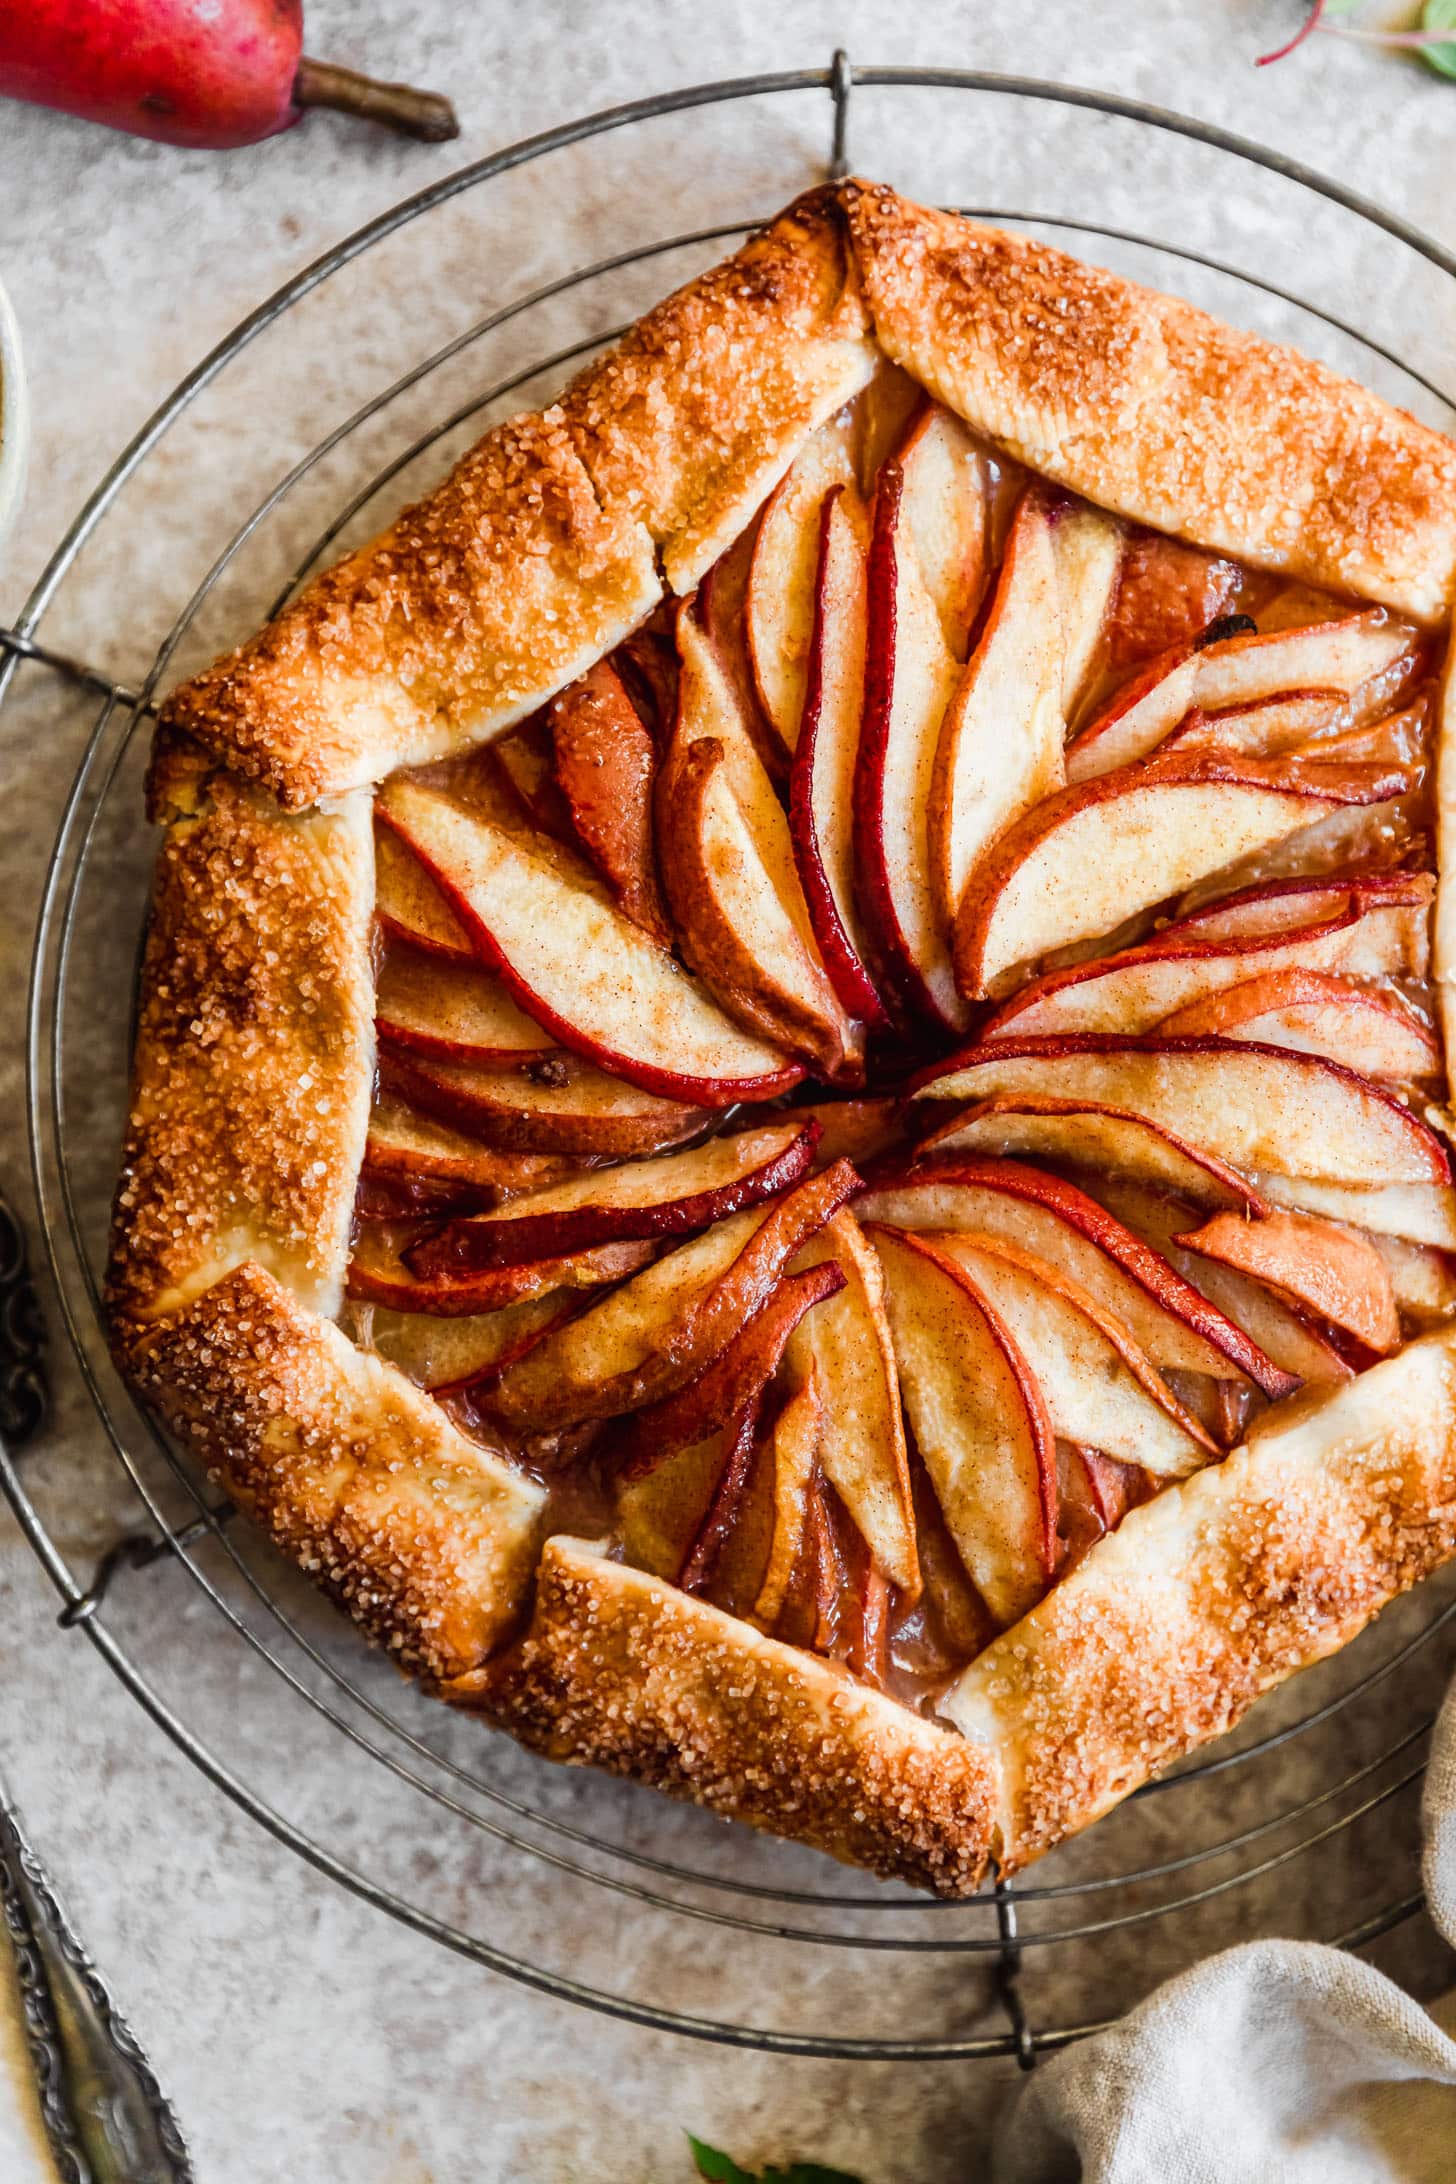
(302, 2034)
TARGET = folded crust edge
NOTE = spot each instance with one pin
(1213, 1593)
(620, 1670)
(424, 1537)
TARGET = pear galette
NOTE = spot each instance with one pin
(789, 1114)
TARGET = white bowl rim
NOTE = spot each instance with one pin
(14, 417)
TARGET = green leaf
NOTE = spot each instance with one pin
(1440, 15)
(717, 2167)
(720, 2169)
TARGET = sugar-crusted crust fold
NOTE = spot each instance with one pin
(691, 421)
(1157, 411)
(1443, 922)
(620, 1670)
(479, 602)
(255, 1045)
(1214, 1592)
(424, 1537)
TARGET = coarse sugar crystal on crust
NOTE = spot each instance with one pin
(691, 421)
(476, 605)
(1157, 411)
(424, 1536)
(622, 1671)
(254, 1049)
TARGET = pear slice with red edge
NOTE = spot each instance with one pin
(1037, 1211)
(1317, 1012)
(847, 1343)
(979, 1419)
(588, 975)
(779, 606)
(1000, 744)
(1085, 860)
(1099, 1387)
(1332, 1272)
(822, 779)
(910, 677)
(1256, 1107)
(673, 1195)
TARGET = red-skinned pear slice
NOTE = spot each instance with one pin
(1092, 856)
(447, 1355)
(1087, 1136)
(1110, 1485)
(1316, 1012)
(578, 1110)
(1332, 1272)
(732, 923)
(405, 1147)
(779, 609)
(1144, 712)
(728, 863)
(587, 974)
(1098, 1385)
(378, 1275)
(457, 1012)
(660, 1330)
(1445, 917)
(722, 612)
(671, 1196)
(700, 1562)
(1255, 1107)
(1239, 671)
(1324, 656)
(737, 1376)
(947, 506)
(795, 1454)
(821, 781)
(1026, 1207)
(1269, 728)
(1419, 1213)
(847, 1344)
(1136, 989)
(979, 1419)
(1000, 746)
(410, 907)
(1087, 547)
(1282, 1331)
(605, 765)
(910, 677)
(1276, 906)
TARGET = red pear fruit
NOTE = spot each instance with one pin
(209, 73)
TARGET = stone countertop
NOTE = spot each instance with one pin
(301, 2033)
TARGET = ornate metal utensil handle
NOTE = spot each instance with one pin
(106, 2117)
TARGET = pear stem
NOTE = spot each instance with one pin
(395, 105)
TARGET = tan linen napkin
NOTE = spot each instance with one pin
(24, 2151)
(1280, 2062)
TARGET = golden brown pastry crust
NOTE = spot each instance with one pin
(255, 1046)
(425, 1537)
(621, 1670)
(1156, 411)
(255, 1049)
(690, 422)
(1443, 919)
(1214, 1592)
(476, 605)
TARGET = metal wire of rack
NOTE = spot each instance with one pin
(512, 1808)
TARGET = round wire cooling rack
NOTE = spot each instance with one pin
(593, 1891)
